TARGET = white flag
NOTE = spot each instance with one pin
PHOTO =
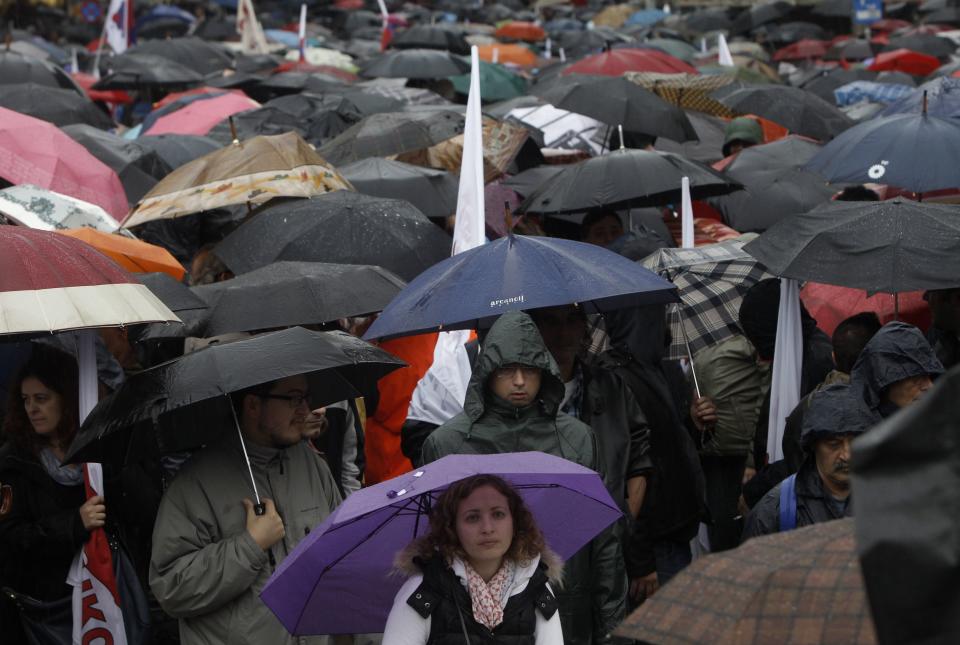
(440, 393)
(251, 33)
(686, 214)
(118, 25)
(723, 53)
(787, 365)
(303, 33)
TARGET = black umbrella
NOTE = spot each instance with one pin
(430, 37)
(216, 28)
(625, 178)
(381, 135)
(415, 63)
(825, 83)
(891, 246)
(163, 28)
(918, 152)
(296, 293)
(949, 15)
(799, 111)
(131, 71)
(58, 106)
(623, 104)
(184, 404)
(834, 9)
(711, 132)
(139, 169)
(760, 14)
(294, 82)
(704, 20)
(431, 190)
(342, 227)
(774, 184)
(19, 68)
(791, 32)
(197, 54)
(852, 49)
(316, 118)
(923, 43)
(527, 182)
(178, 149)
(175, 295)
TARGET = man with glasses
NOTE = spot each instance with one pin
(213, 551)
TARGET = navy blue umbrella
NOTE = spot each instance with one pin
(514, 273)
(916, 152)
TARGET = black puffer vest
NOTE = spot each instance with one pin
(442, 596)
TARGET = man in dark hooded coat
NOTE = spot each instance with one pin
(502, 413)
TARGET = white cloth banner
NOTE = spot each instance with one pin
(252, 39)
(686, 214)
(118, 24)
(787, 363)
(440, 393)
(723, 53)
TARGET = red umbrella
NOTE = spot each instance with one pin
(50, 282)
(173, 97)
(617, 61)
(829, 305)
(86, 82)
(905, 60)
(37, 152)
(802, 50)
(888, 24)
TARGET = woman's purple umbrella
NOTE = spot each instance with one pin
(339, 579)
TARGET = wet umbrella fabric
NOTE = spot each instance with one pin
(201, 114)
(432, 191)
(497, 83)
(851, 49)
(349, 557)
(431, 37)
(296, 293)
(891, 246)
(797, 110)
(415, 63)
(18, 68)
(317, 118)
(625, 178)
(178, 149)
(917, 152)
(47, 210)
(197, 54)
(617, 61)
(381, 135)
(343, 227)
(922, 43)
(174, 294)
(58, 106)
(130, 253)
(941, 96)
(708, 147)
(139, 71)
(517, 273)
(183, 404)
(760, 15)
(905, 60)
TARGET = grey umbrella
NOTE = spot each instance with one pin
(415, 63)
(20, 68)
(58, 106)
(431, 37)
(138, 71)
(431, 190)
(798, 110)
(381, 135)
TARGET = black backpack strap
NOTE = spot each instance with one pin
(546, 603)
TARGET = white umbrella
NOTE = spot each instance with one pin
(47, 210)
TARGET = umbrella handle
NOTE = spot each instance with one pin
(259, 509)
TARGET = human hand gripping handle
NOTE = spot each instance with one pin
(93, 513)
(263, 523)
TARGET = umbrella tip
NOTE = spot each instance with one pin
(233, 131)
(620, 132)
(924, 102)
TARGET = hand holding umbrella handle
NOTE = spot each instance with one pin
(259, 509)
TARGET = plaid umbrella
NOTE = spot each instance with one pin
(711, 281)
(802, 586)
(689, 91)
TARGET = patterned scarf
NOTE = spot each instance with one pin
(489, 598)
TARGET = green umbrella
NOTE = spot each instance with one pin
(497, 83)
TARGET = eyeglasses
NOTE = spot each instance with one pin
(294, 400)
(507, 371)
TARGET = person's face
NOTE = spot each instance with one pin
(518, 384)
(43, 406)
(485, 527)
(564, 330)
(737, 146)
(833, 460)
(604, 231)
(280, 421)
(903, 393)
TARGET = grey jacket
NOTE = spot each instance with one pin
(206, 570)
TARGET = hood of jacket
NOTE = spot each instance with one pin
(832, 411)
(897, 352)
(513, 340)
(640, 332)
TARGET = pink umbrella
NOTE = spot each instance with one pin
(37, 152)
(201, 115)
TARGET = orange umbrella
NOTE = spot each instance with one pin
(519, 30)
(132, 254)
(501, 53)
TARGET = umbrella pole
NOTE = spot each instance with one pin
(259, 508)
(896, 305)
(686, 343)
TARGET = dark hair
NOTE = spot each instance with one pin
(58, 372)
(442, 538)
(851, 336)
(259, 390)
(858, 193)
(593, 217)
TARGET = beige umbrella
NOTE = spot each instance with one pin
(251, 172)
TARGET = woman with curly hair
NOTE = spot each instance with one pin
(480, 575)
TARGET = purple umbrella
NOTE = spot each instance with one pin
(347, 561)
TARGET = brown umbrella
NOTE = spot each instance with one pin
(251, 172)
(803, 586)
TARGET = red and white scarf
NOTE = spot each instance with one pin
(490, 598)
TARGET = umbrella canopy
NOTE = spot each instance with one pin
(432, 191)
(940, 97)
(131, 71)
(37, 152)
(296, 293)
(183, 404)
(381, 135)
(51, 282)
(803, 50)
(711, 132)
(497, 83)
(178, 149)
(415, 63)
(917, 152)
(711, 281)
(349, 557)
(624, 104)
(795, 109)
(516, 273)
(922, 43)
(56, 105)
(520, 30)
(704, 20)
(798, 586)
(904, 60)
(317, 118)
(676, 48)
(891, 246)
(830, 305)
(199, 116)
(16, 68)
(133, 255)
(851, 49)
(618, 61)
(760, 14)
(775, 185)
(622, 178)
(823, 84)
(507, 53)
(195, 53)
(254, 171)
(177, 296)
(792, 32)
(689, 91)
(431, 37)
(47, 210)
(342, 227)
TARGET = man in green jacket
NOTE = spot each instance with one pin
(212, 554)
(512, 405)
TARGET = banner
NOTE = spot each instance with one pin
(118, 27)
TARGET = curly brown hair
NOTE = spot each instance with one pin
(527, 543)
(57, 371)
